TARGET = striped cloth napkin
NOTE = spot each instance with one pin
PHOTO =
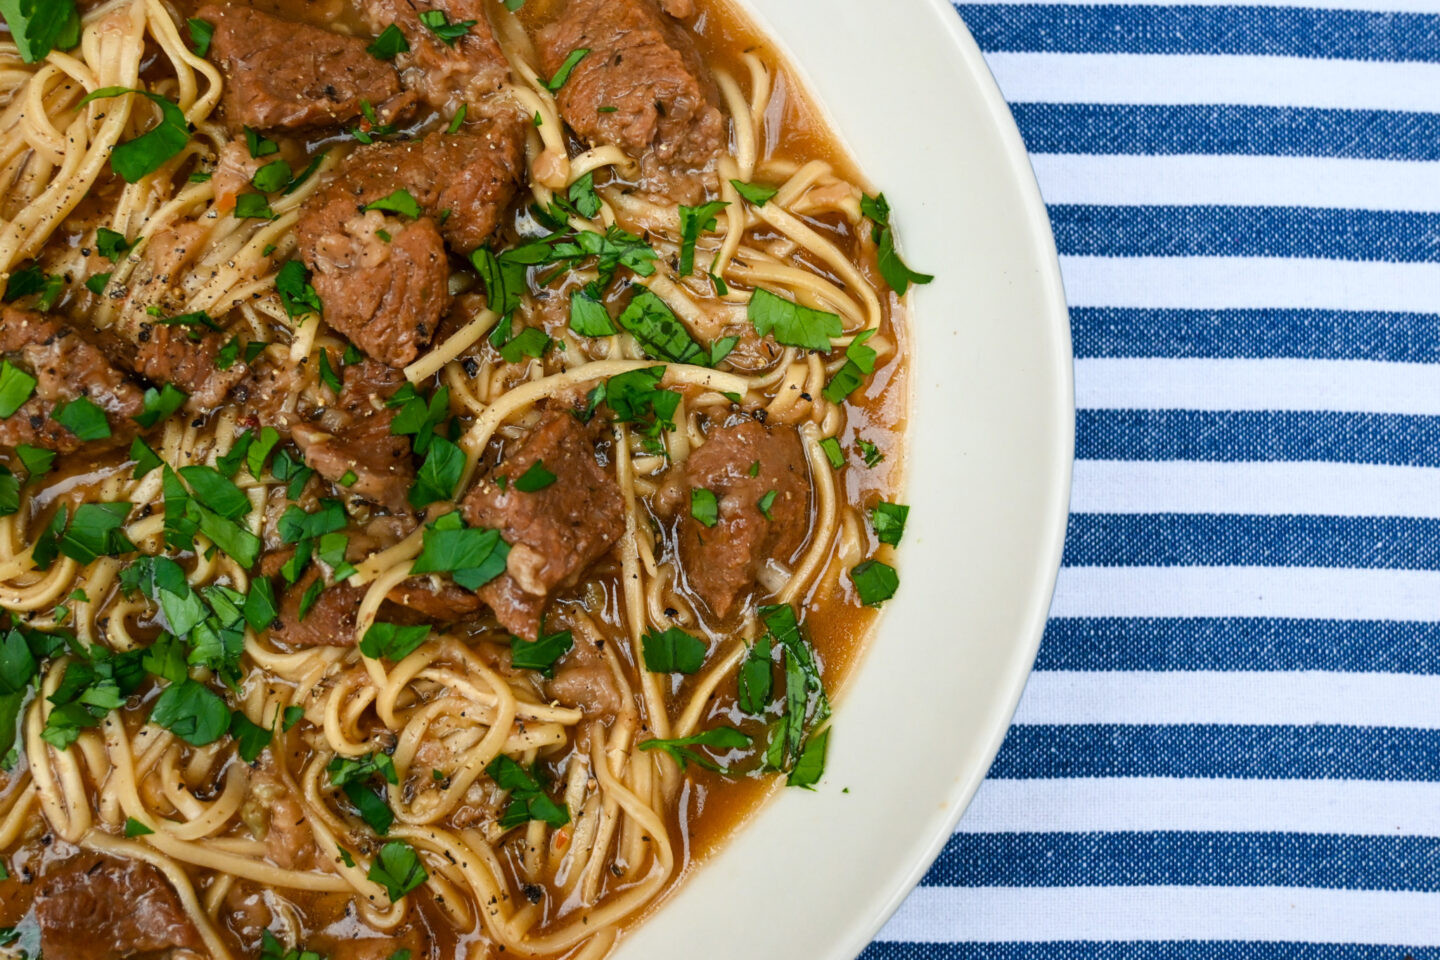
(1230, 746)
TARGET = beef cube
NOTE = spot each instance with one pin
(642, 87)
(354, 436)
(97, 907)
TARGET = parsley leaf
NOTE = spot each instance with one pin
(193, 712)
(542, 653)
(258, 145)
(9, 492)
(535, 478)
(704, 506)
(673, 651)
(528, 800)
(659, 332)
(439, 475)
(793, 324)
(111, 244)
(757, 193)
(588, 317)
(16, 387)
(563, 74)
(859, 363)
(811, 763)
(440, 25)
(37, 462)
(398, 869)
(875, 582)
(892, 268)
(389, 44)
(32, 279)
(353, 774)
(765, 503)
(531, 342)
(888, 519)
(96, 530)
(134, 828)
(83, 418)
(273, 176)
(459, 119)
(296, 524)
(833, 453)
(253, 206)
(145, 458)
(392, 641)
(292, 282)
(869, 452)
(756, 678)
(97, 283)
(693, 222)
(250, 737)
(160, 404)
(39, 26)
(151, 150)
(201, 33)
(582, 194)
(472, 556)
(725, 738)
(401, 201)
(216, 492)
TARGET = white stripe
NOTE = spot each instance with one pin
(1030, 914)
(1231, 697)
(1381, 6)
(1141, 78)
(1327, 489)
(1108, 804)
(1250, 282)
(1163, 383)
(1302, 592)
(1220, 179)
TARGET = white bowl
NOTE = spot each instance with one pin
(815, 875)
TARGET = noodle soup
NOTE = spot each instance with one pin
(449, 461)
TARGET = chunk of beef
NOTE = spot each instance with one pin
(386, 296)
(97, 907)
(442, 601)
(583, 679)
(354, 436)
(466, 179)
(555, 533)
(281, 75)
(642, 87)
(442, 75)
(330, 621)
(168, 355)
(66, 365)
(722, 562)
(289, 840)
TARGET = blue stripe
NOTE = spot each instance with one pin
(1188, 858)
(1207, 539)
(1036, 751)
(1285, 32)
(1107, 128)
(1141, 950)
(1239, 643)
(1257, 436)
(1227, 231)
(1311, 334)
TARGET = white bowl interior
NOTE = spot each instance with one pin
(815, 875)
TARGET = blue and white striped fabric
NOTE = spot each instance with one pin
(1230, 747)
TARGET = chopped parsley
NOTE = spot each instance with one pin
(134, 828)
(402, 201)
(673, 651)
(888, 519)
(389, 44)
(859, 364)
(659, 332)
(32, 280)
(145, 459)
(473, 556)
(876, 582)
(439, 475)
(892, 268)
(111, 244)
(37, 461)
(150, 151)
(693, 222)
(719, 738)
(272, 177)
(160, 404)
(439, 24)
(869, 452)
(82, 417)
(583, 196)
(201, 33)
(756, 678)
(258, 145)
(588, 316)
(535, 478)
(811, 763)
(96, 530)
(765, 503)
(793, 325)
(250, 737)
(542, 654)
(96, 283)
(704, 506)
(398, 869)
(253, 206)
(531, 342)
(392, 641)
(39, 26)
(193, 712)
(528, 800)
(563, 74)
(353, 775)
(16, 387)
(459, 119)
(298, 297)
(756, 193)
